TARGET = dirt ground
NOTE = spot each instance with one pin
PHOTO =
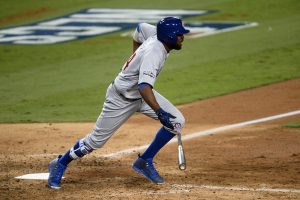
(253, 162)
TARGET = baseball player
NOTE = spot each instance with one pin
(133, 91)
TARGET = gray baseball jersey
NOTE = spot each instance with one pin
(143, 32)
(142, 67)
(123, 98)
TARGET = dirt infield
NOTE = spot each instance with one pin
(260, 161)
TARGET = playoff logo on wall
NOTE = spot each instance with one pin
(95, 22)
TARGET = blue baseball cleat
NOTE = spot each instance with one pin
(56, 171)
(146, 168)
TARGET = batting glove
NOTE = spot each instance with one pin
(164, 118)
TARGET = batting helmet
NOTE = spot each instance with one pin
(168, 28)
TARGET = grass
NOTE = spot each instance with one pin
(292, 125)
(67, 81)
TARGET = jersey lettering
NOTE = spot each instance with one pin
(128, 61)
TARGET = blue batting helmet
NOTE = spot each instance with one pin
(168, 28)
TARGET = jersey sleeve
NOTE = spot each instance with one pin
(149, 68)
(143, 31)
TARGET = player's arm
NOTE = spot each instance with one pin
(142, 32)
(147, 94)
(137, 38)
(135, 45)
(164, 117)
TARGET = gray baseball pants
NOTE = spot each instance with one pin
(117, 110)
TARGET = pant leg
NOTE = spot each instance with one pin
(166, 105)
(116, 110)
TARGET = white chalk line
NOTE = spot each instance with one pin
(206, 132)
(239, 188)
(176, 189)
(189, 136)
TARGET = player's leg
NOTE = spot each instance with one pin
(144, 164)
(116, 110)
(58, 166)
(165, 134)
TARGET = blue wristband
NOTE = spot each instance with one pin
(142, 85)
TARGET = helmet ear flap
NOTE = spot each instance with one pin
(170, 39)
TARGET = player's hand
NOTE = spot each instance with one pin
(164, 118)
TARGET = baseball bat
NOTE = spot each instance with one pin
(181, 157)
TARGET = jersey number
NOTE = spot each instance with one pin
(128, 61)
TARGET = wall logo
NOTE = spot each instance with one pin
(210, 28)
(95, 22)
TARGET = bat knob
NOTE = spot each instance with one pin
(182, 167)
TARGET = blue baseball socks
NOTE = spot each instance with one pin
(77, 151)
(162, 137)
